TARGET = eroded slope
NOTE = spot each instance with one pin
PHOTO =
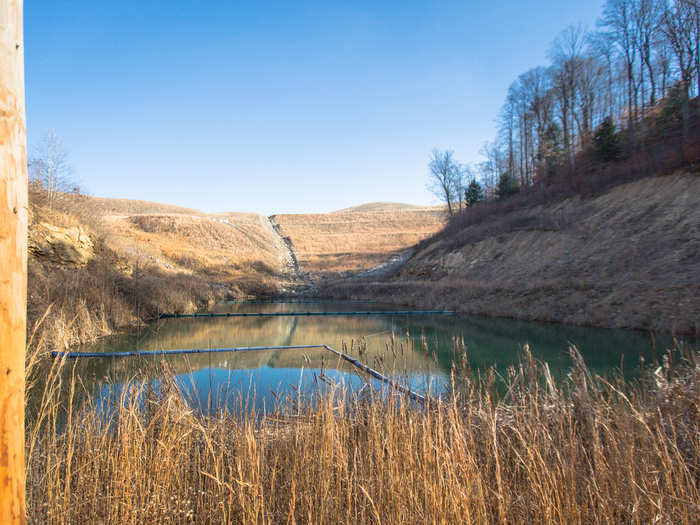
(351, 241)
(628, 258)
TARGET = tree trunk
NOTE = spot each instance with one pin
(652, 80)
(629, 96)
(13, 262)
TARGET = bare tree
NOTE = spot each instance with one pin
(465, 176)
(643, 48)
(50, 169)
(445, 177)
(695, 10)
(617, 19)
(490, 169)
(566, 52)
(602, 45)
(647, 17)
(679, 28)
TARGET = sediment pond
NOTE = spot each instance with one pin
(416, 349)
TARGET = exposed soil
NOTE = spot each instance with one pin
(629, 258)
(345, 242)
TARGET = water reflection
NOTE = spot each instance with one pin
(419, 348)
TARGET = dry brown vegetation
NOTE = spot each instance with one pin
(109, 206)
(146, 258)
(520, 450)
(627, 258)
(359, 238)
(386, 206)
(200, 244)
(76, 305)
(139, 266)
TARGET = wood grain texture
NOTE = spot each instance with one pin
(13, 262)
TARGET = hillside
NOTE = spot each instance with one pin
(628, 258)
(97, 264)
(252, 246)
(110, 206)
(382, 206)
(218, 246)
(356, 239)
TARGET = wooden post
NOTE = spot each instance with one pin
(13, 262)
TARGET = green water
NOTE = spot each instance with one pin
(395, 345)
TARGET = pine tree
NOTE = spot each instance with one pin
(474, 193)
(606, 141)
(507, 185)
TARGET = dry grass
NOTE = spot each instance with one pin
(199, 244)
(142, 265)
(627, 258)
(69, 306)
(387, 207)
(585, 451)
(108, 206)
(356, 240)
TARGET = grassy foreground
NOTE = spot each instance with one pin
(519, 449)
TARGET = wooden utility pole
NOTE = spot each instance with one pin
(13, 262)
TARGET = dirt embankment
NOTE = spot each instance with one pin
(328, 245)
(93, 273)
(629, 258)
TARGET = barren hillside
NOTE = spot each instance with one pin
(109, 206)
(356, 239)
(627, 258)
(228, 246)
(385, 206)
(100, 264)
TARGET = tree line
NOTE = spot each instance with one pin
(642, 53)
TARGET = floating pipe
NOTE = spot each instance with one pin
(137, 353)
(298, 314)
(371, 371)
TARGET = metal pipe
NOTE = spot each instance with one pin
(140, 353)
(137, 353)
(298, 314)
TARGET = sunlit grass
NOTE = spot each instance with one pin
(518, 449)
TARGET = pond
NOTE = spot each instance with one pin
(417, 350)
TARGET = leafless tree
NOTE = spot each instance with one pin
(647, 18)
(50, 170)
(445, 177)
(679, 22)
(643, 48)
(566, 53)
(618, 21)
(495, 163)
(465, 176)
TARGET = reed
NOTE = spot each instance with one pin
(515, 449)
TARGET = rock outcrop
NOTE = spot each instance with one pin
(62, 246)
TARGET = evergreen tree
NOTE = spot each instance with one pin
(606, 141)
(474, 193)
(507, 185)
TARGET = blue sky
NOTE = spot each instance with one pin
(276, 106)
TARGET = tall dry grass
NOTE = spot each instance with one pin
(518, 450)
(69, 306)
